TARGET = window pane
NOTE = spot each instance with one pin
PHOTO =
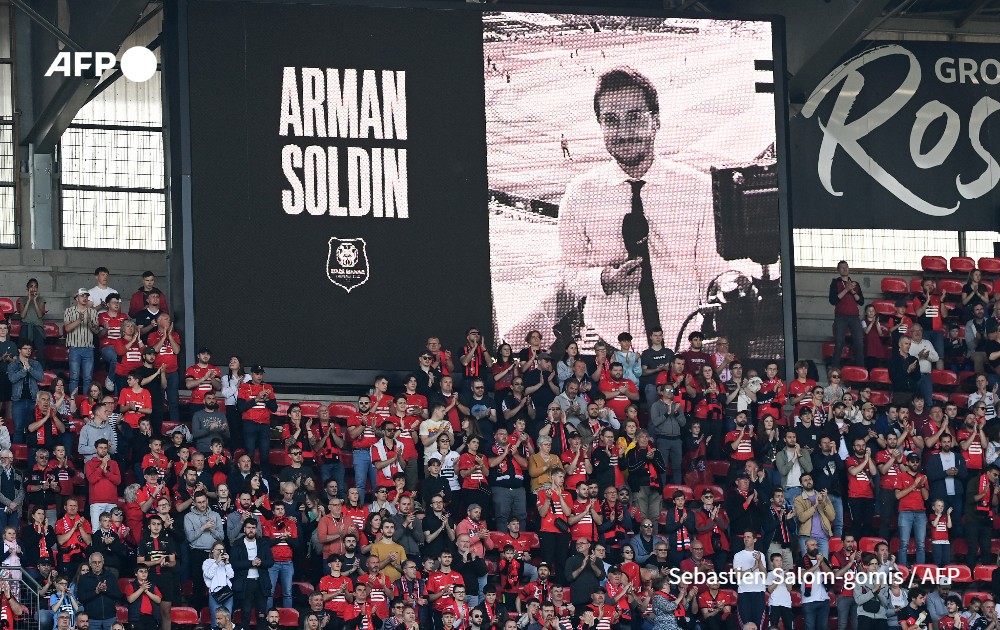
(107, 219)
(872, 249)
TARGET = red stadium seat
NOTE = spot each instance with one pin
(123, 585)
(867, 543)
(670, 488)
(982, 595)
(988, 285)
(7, 306)
(206, 617)
(924, 573)
(716, 491)
(121, 612)
(879, 398)
(52, 330)
(967, 377)
(282, 408)
(288, 618)
(879, 375)
(962, 573)
(305, 588)
(310, 409)
(497, 537)
(944, 378)
(915, 285)
(894, 286)
(342, 410)
(984, 572)
(951, 286)
(47, 378)
(989, 265)
(836, 544)
(184, 616)
(884, 307)
(15, 329)
(934, 264)
(960, 399)
(829, 347)
(961, 264)
(20, 452)
(56, 353)
(796, 599)
(719, 468)
(854, 374)
(279, 458)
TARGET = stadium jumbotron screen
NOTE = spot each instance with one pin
(366, 177)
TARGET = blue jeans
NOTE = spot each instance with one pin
(257, 436)
(81, 368)
(816, 614)
(284, 570)
(214, 605)
(102, 624)
(936, 337)
(363, 470)
(173, 397)
(8, 519)
(925, 388)
(917, 523)
(791, 494)
(841, 324)
(45, 618)
(334, 471)
(838, 519)
(24, 414)
(109, 355)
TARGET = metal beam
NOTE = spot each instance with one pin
(117, 74)
(840, 41)
(106, 30)
(972, 11)
(51, 28)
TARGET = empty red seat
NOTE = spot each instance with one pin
(989, 265)
(342, 409)
(915, 285)
(288, 618)
(15, 329)
(867, 543)
(283, 408)
(939, 397)
(894, 286)
(854, 374)
(988, 285)
(20, 452)
(7, 306)
(310, 409)
(279, 458)
(305, 588)
(716, 492)
(967, 377)
(951, 286)
(52, 330)
(830, 346)
(944, 378)
(879, 375)
(48, 376)
(698, 477)
(960, 573)
(924, 573)
(184, 616)
(719, 468)
(56, 353)
(934, 264)
(960, 399)
(884, 307)
(670, 488)
(836, 544)
(982, 595)
(984, 572)
(121, 612)
(879, 398)
(961, 264)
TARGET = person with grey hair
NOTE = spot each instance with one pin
(11, 491)
(99, 593)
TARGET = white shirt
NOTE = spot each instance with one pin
(818, 592)
(99, 295)
(252, 572)
(794, 473)
(780, 595)
(948, 461)
(990, 401)
(681, 243)
(749, 583)
(932, 357)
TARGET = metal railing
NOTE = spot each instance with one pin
(25, 590)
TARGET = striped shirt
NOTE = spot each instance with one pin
(81, 336)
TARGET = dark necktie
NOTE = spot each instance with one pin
(635, 233)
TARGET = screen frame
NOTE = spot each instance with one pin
(178, 151)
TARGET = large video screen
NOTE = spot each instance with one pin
(364, 178)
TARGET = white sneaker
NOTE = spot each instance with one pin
(109, 384)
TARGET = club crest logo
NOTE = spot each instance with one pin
(347, 263)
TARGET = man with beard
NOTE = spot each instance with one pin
(780, 528)
(982, 498)
(791, 462)
(208, 423)
(828, 473)
(251, 559)
(739, 444)
(861, 473)
(815, 513)
(815, 600)
(847, 564)
(888, 460)
(946, 476)
(912, 493)
(745, 507)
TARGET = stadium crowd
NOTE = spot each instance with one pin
(500, 488)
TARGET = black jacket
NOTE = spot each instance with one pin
(241, 565)
(99, 606)
(936, 488)
(638, 470)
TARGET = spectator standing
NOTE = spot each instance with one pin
(25, 374)
(251, 560)
(645, 465)
(99, 593)
(80, 325)
(208, 423)
(666, 421)
(32, 310)
(167, 344)
(256, 403)
(138, 300)
(99, 295)
(845, 297)
(110, 331)
(103, 479)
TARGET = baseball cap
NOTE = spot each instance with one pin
(434, 461)
(544, 564)
(808, 410)
(204, 349)
(257, 369)
(81, 291)
(149, 350)
(150, 470)
(912, 457)
(868, 405)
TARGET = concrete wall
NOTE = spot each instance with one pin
(61, 272)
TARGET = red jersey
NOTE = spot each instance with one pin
(196, 372)
(555, 509)
(439, 582)
(452, 416)
(166, 357)
(75, 545)
(577, 475)
(477, 478)
(904, 324)
(281, 547)
(129, 358)
(618, 402)
(381, 453)
(948, 623)
(331, 584)
(939, 529)
(160, 462)
(713, 602)
(328, 451)
(370, 422)
(219, 466)
(859, 486)
(259, 413)
(415, 404)
(304, 440)
(356, 515)
(520, 544)
(974, 454)
(382, 405)
(364, 610)
(408, 434)
(142, 399)
(114, 325)
(584, 528)
(148, 491)
(744, 449)
(798, 388)
(888, 480)
(914, 501)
